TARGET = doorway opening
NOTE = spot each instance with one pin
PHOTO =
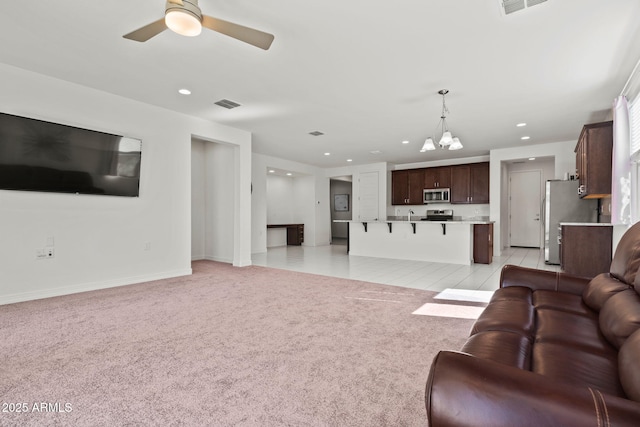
(525, 211)
(341, 206)
(213, 167)
(526, 180)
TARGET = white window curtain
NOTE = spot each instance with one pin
(621, 167)
(634, 124)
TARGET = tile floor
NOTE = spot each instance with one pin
(334, 261)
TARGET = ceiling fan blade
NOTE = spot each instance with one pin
(145, 33)
(252, 36)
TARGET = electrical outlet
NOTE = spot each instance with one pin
(147, 246)
(45, 253)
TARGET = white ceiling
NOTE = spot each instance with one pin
(366, 73)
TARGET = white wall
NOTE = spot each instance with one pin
(355, 172)
(280, 208)
(312, 197)
(280, 200)
(309, 197)
(100, 241)
(198, 195)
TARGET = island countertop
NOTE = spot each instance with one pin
(586, 224)
(420, 221)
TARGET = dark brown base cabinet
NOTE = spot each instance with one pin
(585, 250)
(483, 243)
(295, 235)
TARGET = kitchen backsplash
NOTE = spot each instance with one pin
(459, 211)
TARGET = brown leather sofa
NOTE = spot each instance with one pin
(550, 349)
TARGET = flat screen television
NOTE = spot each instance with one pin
(42, 156)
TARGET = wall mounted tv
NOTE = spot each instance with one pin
(42, 156)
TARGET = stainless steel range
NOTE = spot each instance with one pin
(439, 215)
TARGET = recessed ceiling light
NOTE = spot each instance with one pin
(521, 125)
(327, 154)
(349, 160)
(289, 174)
(405, 142)
(184, 92)
(532, 158)
(316, 133)
(271, 171)
(525, 137)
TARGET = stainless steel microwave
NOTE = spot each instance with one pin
(436, 195)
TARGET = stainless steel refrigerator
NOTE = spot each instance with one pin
(562, 204)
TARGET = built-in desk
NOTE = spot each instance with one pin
(295, 232)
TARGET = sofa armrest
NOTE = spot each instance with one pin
(463, 390)
(513, 275)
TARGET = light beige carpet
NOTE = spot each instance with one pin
(226, 346)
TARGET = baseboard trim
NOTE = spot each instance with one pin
(219, 259)
(241, 263)
(91, 286)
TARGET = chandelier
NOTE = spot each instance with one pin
(446, 139)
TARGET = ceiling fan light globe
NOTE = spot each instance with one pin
(183, 23)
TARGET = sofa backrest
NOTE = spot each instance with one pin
(626, 259)
(620, 317)
(622, 274)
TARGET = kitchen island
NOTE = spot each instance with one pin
(435, 241)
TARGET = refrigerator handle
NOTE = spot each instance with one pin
(543, 211)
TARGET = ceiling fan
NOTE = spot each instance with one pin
(185, 17)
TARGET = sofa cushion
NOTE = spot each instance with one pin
(574, 365)
(600, 289)
(620, 317)
(561, 301)
(508, 348)
(629, 366)
(506, 315)
(572, 330)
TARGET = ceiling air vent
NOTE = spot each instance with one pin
(316, 133)
(227, 104)
(510, 6)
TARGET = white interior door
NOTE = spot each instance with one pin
(525, 201)
(368, 196)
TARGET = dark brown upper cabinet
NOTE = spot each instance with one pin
(439, 177)
(593, 160)
(407, 186)
(470, 183)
